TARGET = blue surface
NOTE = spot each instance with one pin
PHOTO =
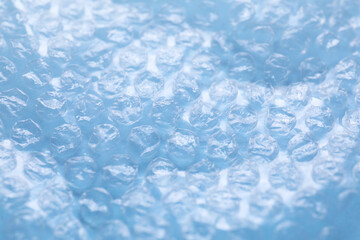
(192, 119)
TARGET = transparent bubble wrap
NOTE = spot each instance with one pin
(181, 119)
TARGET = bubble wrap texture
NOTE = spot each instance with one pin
(182, 119)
